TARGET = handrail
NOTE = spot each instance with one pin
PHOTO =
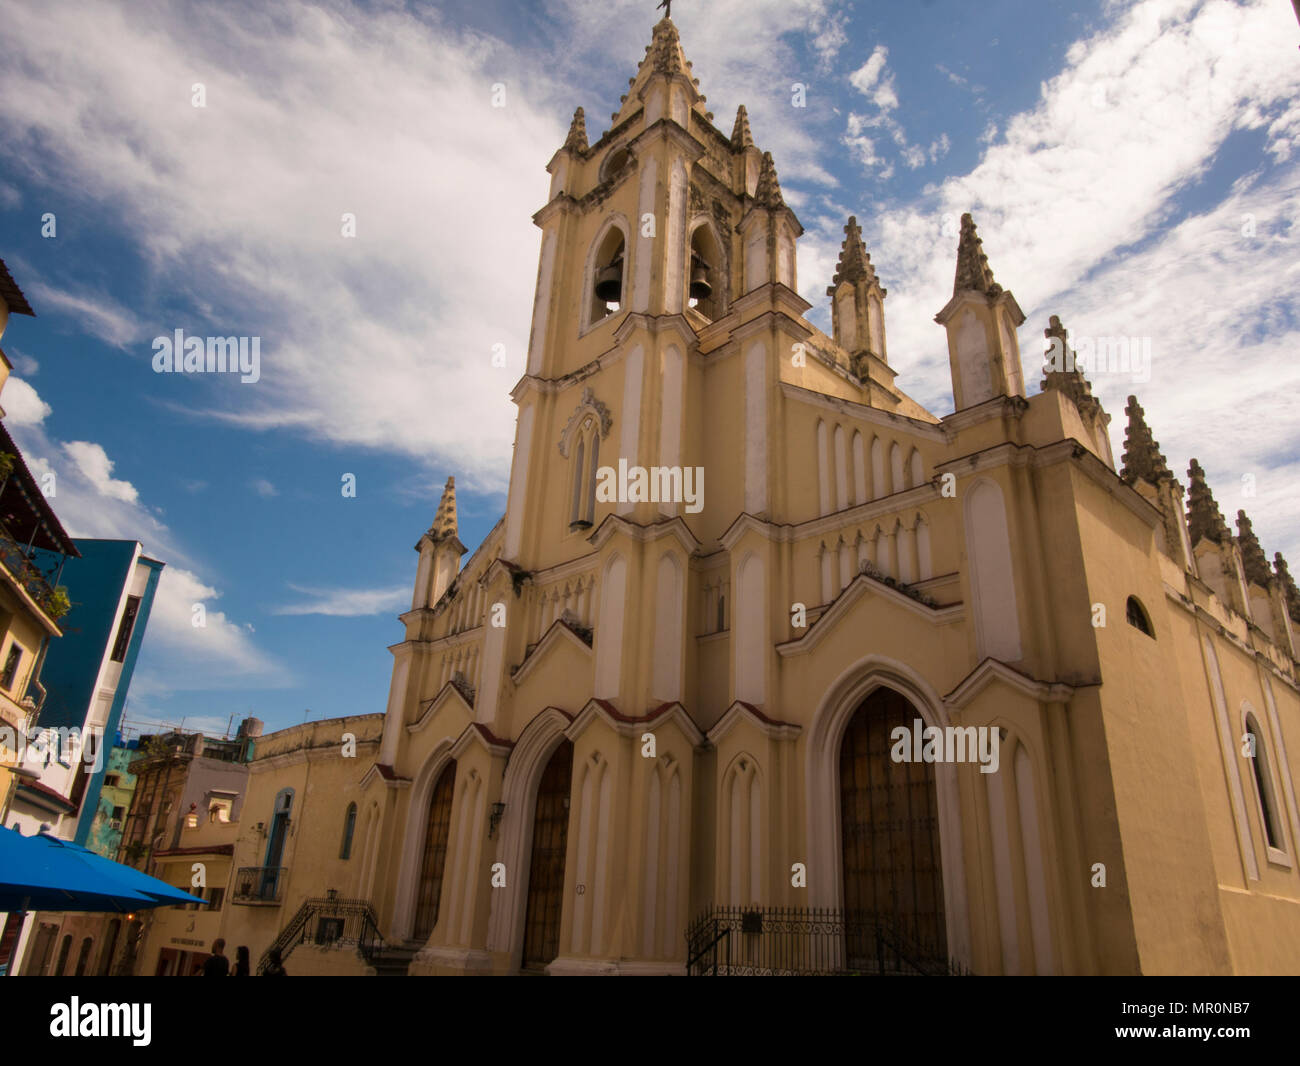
(357, 925)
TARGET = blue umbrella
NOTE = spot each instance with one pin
(43, 873)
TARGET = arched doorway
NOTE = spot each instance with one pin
(889, 833)
(545, 903)
(434, 861)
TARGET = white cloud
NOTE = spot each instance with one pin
(348, 603)
(97, 468)
(264, 488)
(1078, 205)
(95, 313)
(22, 405)
(177, 655)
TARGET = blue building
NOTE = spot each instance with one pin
(86, 676)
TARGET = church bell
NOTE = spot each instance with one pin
(700, 287)
(609, 281)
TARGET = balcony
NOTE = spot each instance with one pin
(25, 574)
(260, 885)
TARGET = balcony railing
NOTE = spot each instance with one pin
(793, 941)
(329, 921)
(14, 558)
(260, 884)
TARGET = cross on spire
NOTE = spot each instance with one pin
(667, 5)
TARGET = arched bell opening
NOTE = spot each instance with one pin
(610, 277)
(706, 286)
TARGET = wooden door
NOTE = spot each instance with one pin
(434, 860)
(546, 865)
(889, 821)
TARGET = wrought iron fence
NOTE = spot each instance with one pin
(328, 921)
(259, 884)
(801, 941)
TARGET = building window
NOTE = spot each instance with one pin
(586, 463)
(124, 629)
(219, 811)
(216, 897)
(1137, 617)
(14, 657)
(111, 780)
(1258, 756)
(349, 824)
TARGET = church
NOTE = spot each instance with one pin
(641, 732)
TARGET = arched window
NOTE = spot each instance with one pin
(84, 957)
(705, 278)
(586, 464)
(609, 277)
(434, 860)
(64, 948)
(1258, 755)
(349, 825)
(1137, 617)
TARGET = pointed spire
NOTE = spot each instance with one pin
(444, 523)
(973, 270)
(1253, 559)
(577, 139)
(665, 49)
(854, 262)
(768, 192)
(1061, 368)
(1142, 455)
(1289, 590)
(740, 135)
(1203, 516)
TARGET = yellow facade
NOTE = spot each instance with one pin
(714, 659)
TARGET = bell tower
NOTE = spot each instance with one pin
(653, 235)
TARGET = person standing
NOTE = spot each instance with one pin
(217, 965)
(242, 967)
(274, 968)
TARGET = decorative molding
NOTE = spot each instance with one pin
(587, 405)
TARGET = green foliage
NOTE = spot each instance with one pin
(58, 603)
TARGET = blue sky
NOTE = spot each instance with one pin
(1131, 166)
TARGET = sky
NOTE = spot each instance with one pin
(1131, 165)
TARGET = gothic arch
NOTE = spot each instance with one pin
(599, 253)
(711, 247)
(742, 866)
(661, 879)
(531, 753)
(822, 774)
(413, 844)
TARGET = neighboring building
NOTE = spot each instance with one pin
(178, 939)
(300, 870)
(87, 676)
(685, 726)
(31, 603)
(176, 774)
(115, 794)
(188, 792)
(33, 548)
